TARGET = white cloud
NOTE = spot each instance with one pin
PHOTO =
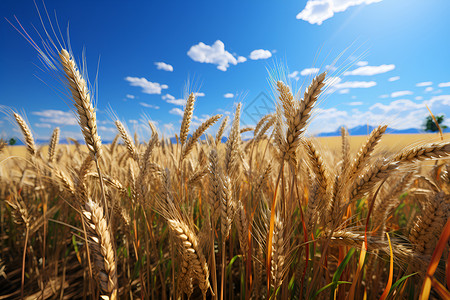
(425, 83)
(344, 91)
(228, 95)
(107, 129)
(163, 66)
(132, 121)
(199, 94)
(444, 84)
(241, 59)
(179, 102)
(294, 75)
(309, 71)
(42, 125)
(419, 98)
(362, 63)
(401, 93)
(56, 117)
(317, 11)
(130, 96)
(168, 97)
(171, 99)
(176, 111)
(356, 84)
(148, 105)
(148, 87)
(260, 54)
(169, 126)
(371, 70)
(395, 78)
(215, 54)
(428, 89)
(355, 103)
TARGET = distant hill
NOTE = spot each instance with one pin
(365, 130)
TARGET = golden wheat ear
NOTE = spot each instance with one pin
(52, 147)
(101, 245)
(187, 116)
(81, 97)
(29, 140)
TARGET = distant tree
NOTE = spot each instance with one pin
(12, 141)
(430, 125)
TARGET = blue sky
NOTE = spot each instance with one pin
(391, 57)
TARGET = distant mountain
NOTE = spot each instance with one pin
(365, 130)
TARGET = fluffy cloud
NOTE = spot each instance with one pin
(148, 87)
(148, 105)
(428, 89)
(371, 70)
(425, 83)
(163, 66)
(176, 111)
(228, 95)
(260, 54)
(309, 71)
(355, 84)
(395, 78)
(419, 98)
(56, 117)
(401, 93)
(199, 94)
(317, 11)
(215, 54)
(344, 91)
(444, 84)
(130, 96)
(362, 63)
(355, 103)
(168, 97)
(171, 99)
(294, 75)
(42, 125)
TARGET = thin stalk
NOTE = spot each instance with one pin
(222, 284)
(213, 258)
(23, 260)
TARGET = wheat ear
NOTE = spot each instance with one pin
(197, 134)
(187, 116)
(428, 226)
(423, 152)
(366, 150)
(233, 144)
(82, 101)
(298, 120)
(345, 148)
(221, 129)
(29, 140)
(131, 147)
(190, 252)
(52, 147)
(101, 245)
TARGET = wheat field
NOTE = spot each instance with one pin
(279, 216)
